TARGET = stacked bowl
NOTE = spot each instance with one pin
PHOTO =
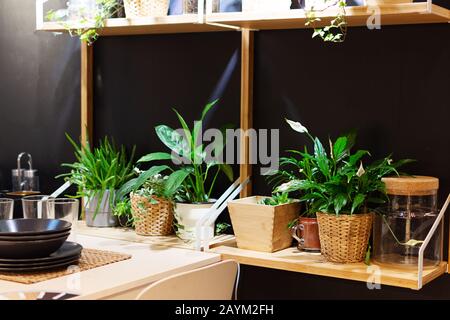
(36, 244)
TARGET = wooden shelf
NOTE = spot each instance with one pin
(292, 259)
(130, 235)
(138, 26)
(408, 13)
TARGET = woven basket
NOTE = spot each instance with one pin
(146, 8)
(152, 219)
(344, 238)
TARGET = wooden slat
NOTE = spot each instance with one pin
(130, 235)
(87, 90)
(246, 107)
(312, 263)
(147, 25)
(393, 14)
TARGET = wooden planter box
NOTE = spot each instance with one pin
(262, 228)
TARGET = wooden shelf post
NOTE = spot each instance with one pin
(246, 107)
(87, 90)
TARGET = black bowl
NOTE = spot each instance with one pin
(30, 249)
(33, 227)
(34, 238)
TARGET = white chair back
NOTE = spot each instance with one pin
(213, 282)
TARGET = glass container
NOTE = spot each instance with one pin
(402, 226)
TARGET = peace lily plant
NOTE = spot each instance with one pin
(338, 188)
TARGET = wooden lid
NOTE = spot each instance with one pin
(411, 185)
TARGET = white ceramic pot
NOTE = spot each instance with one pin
(187, 215)
(266, 5)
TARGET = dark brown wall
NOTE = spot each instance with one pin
(39, 93)
(391, 84)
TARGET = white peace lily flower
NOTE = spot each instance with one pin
(390, 161)
(284, 187)
(361, 170)
(297, 126)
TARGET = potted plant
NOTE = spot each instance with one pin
(342, 192)
(192, 180)
(148, 203)
(98, 173)
(261, 223)
(85, 18)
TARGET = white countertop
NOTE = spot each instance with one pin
(148, 264)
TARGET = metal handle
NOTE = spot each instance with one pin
(19, 160)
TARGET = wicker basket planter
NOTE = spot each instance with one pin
(344, 238)
(152, 219)
(261, 227)
(146, 8)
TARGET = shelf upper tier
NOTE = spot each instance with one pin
(409, 13)
(292, 259)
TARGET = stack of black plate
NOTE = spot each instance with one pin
(36, 244)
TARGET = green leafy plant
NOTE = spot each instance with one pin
(195, 176)
(336, 181)
(122, 210)
(276, 199)
(154, 188)
(86, 28)
(98, 170)
(336, 31)
(221, 228)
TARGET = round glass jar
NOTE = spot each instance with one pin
(402, 226)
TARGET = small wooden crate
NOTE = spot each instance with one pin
(260, 227)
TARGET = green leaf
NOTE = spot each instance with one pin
(155, 157)
(339, 147)
(207, 108)
(321, 157)
(359, 199)
(339, 202)
(187, 130)
(368, 254)
(354, 158)
(175, 180)
(173, 140)
(228, 170)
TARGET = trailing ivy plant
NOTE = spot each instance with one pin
(336, 31)
(86, 28)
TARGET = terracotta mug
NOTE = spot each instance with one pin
(306, 232)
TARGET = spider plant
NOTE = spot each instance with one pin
(98, 170)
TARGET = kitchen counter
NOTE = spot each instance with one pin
(121, 280)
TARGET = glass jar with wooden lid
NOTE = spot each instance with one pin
(401, 227)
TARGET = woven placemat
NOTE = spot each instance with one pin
(90, 259)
